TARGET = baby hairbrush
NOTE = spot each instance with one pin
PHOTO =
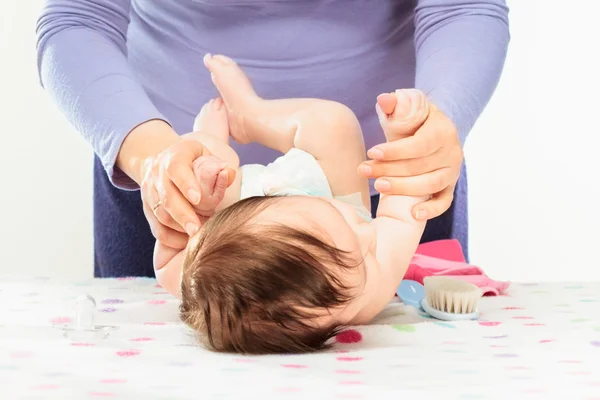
(442, 297)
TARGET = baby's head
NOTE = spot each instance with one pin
(276, 274)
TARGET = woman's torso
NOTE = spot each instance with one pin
(343, 50)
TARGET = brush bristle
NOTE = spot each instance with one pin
(451, 295)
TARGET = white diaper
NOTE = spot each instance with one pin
(296, 173)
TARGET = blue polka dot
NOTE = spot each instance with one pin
(445, 325)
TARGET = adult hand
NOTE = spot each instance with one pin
(170, 191)
(427, 160)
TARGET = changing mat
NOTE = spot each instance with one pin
(540, 341)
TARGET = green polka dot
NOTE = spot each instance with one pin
(404, 328)
(8, 367)
(587, 300)
(577, 320)
(562, 305)
(597, 328)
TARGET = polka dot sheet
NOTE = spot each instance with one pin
(540, 341)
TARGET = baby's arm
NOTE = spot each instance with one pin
(398, 233)
(327, 130)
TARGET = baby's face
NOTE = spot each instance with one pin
(338, 224)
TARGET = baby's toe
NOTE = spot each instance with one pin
(409, 113)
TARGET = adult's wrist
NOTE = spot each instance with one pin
(144, 141)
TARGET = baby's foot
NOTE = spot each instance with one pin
(214, 177)
(237, 92)
(401, 113)
(212, 120)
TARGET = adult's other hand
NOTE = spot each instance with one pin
(426, 160)
(169, 192)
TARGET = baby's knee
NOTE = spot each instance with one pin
(341, 125)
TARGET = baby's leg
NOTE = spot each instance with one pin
(328, 130)
(211, 122)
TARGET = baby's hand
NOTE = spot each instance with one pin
(214, 178)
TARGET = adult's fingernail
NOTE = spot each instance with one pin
(375, 153)
(421, 214)
(383, 185)
(365, 170)
(194, 196)
(191, 228)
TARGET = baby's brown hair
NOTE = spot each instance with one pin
(252, 287)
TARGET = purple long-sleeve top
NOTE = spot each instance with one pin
(113, 64)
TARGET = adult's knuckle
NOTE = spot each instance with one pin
(435, 185)
(166, 202)
(171, 165)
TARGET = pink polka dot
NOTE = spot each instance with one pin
(112, 381)
(160, 292)
(347, 371)
(82, 344)
(513, 308)
(296, 366)
(546, 341)
(289, 390)
(46, 387)
(342, 351)
(497, 346)
(126, 278)
(128, 353)
(155, 323)
(157, 302)
(349, 358)
(489, 323)
(349, 336)
(534, 324)
(158, 286)
(351, 383)
(142, 339)
(521, 317)
(101, 394)
(21, 354)
(533, 391)
(61, 320)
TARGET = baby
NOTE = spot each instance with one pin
(288, 253)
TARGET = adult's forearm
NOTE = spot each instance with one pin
(83, 66)
(460, 49)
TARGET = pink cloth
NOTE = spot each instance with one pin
(446, 258)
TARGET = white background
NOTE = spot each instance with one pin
(533, 156)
